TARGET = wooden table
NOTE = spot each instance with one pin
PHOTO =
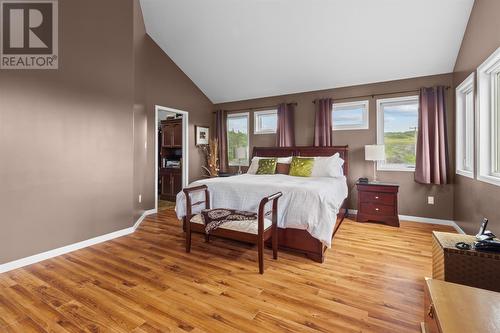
(454, 308)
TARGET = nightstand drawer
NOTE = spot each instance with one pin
(375, 209)
(378, 198)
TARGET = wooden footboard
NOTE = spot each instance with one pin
(301, 241)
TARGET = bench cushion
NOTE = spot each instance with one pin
(247, 226)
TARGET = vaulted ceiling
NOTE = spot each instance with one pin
(242, 49)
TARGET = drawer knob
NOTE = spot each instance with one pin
(376, 209)
(376, 197)
(430, 312)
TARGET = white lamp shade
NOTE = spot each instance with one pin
(241, 153)
(375, 152)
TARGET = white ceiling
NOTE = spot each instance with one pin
(242, 49)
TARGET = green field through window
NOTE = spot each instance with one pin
(400, 133)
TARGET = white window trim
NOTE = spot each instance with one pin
(236, 115)
(382, 166)
(484, 114)
(256, 114)
(467, 86)
(366, 118)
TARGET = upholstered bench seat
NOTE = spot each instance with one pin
(256, 231)
(246, 226)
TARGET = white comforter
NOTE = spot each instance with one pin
(309, 203)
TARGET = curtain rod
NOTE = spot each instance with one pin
(380, 94)
(258, 108)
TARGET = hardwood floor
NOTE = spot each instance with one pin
(371, 281)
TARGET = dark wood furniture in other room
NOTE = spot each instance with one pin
(170, 183)
(300, 240)
(453, 308)
(469, 267)
(378, 202)
(263, 231)
(171, 130)
(170, 151)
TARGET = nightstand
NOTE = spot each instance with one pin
(378, 202)
(227, 174)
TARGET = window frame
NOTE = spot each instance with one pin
(238, 115)
(382, 165)
(465, 156)
(256, 127)
(366, 116)
(487, 116)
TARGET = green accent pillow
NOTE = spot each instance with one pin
(301, 166)
(267, 166)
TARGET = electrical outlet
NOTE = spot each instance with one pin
(430, 200)
(140, 198)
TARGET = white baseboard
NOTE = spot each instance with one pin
(423, 220)
(73, 247)
(143, 216)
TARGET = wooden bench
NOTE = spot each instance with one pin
(250, 231)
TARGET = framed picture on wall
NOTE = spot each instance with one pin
(202, 135)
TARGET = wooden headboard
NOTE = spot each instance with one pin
(304, 151)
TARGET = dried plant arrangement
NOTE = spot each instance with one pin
(211, 158)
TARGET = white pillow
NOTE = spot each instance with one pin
(254, 166)
(252, 169)
(329, 166)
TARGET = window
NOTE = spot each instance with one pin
(237, 139)
(497, 123)
(488, 94)
(265, 122)
(350, 116)
(397, 128)
(465, 127)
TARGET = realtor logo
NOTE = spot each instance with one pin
(29, 35)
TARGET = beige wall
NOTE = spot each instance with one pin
(413, 196)
(72, 140)
(475, 199)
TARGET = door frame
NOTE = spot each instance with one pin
(185, 146)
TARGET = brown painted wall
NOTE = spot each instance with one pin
(66, 143)
(475, 199)
(160, 82)
(70, 139)
(413, 196)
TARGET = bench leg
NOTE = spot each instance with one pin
(188, 240)
(260, 245)
(275, 242)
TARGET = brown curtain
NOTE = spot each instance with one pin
(432, 143)
(285, 131)
(221, 136)
(323, 123)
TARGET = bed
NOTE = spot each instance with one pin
(310, 211)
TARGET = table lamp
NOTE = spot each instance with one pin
(241, 153)
(374, 153)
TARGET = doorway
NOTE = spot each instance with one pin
(171, 155)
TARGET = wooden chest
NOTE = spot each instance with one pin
(453, 308)
(468, 267)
